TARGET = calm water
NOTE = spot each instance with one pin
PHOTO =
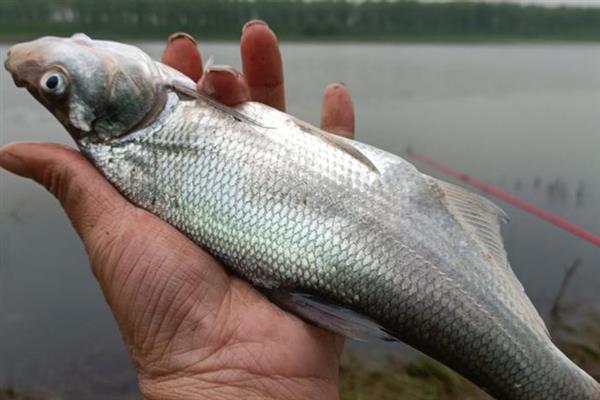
(525, 117)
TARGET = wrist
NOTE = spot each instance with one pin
(244, 385)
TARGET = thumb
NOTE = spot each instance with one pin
(90, 202)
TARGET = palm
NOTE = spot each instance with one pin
(183, 316)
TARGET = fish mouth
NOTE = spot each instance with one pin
(18, 81)
(6, 63)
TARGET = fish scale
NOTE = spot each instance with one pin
(251, 206)
(344, 235)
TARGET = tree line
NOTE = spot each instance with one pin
(326, 19)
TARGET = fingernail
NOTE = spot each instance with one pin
(334, 87)
(181, 35)
(222, 70)
(218, 76)
(254, 22)
(11, 163)
(215, 72)
(338, 85)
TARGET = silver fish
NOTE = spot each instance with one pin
(347, 236)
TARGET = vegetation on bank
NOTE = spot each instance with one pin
(576, 331)
(422, 379)
(292, 19)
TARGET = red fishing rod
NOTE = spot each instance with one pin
(509, 198)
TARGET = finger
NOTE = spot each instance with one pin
(225, 85)
(337, 115)
(182, 54)
(262, 65)
(89, 200)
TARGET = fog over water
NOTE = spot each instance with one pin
(524, 117)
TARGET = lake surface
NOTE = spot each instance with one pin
(524, 117)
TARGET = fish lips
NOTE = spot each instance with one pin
(19, 82)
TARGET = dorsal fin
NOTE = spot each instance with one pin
(482, 218)
(478, 216)
(338, 142)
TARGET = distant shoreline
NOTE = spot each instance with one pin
(407, 21)
(442, 39)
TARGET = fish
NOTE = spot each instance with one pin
(344, 235)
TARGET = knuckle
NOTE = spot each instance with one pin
(57, 178)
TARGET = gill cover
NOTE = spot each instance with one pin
(114, 87)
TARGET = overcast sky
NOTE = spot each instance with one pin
(593, 3)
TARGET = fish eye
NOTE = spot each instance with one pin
(53, 82)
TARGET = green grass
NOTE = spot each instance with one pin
(11, 393)
(422, 379)
(426, 379)
(579, 337)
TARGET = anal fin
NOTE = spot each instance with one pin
(333, 317)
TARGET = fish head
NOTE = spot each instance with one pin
(97, 89)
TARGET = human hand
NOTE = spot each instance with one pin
(262, 80)
(192, 330)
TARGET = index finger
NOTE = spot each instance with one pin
(182, 54)
(261, 61)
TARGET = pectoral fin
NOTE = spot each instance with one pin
(330, 316)
(339, 142)
(183, 88)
